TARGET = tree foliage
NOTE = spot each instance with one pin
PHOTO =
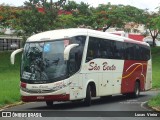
(41, 15)
(70, 6)
(37, 16)
(117, 15)
(81, 15)
(152, 23)
(7, 15)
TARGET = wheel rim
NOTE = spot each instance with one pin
(137, 92)
(137, 89)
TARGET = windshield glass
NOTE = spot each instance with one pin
(44, 61)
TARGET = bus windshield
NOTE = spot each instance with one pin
(44, 61)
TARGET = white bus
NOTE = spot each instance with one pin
(78, 64)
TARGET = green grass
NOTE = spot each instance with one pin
(9, 79)
(156, 67)
(155, 101)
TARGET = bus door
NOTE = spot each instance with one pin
(75, 79)
(75, 86)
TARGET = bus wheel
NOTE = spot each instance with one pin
(49, 103)
(136, 92)
(87, 100)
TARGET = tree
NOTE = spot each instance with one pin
(83, 9)
(117, 15)
(7, 15)
(65, 21)
(37, 16)
(152, 23)
(70, 6)
(82, 15)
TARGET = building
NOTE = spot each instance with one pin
(10, 43)
(133, 36)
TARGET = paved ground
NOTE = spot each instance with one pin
(98, 108)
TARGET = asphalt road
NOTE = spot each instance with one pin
(100, 109)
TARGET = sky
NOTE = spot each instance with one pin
(142, 4)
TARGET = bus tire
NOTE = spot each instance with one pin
(49, 103)
(87, 100)
(136, 92)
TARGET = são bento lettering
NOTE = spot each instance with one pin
(104, 66)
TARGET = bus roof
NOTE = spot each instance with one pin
(71, 32)
(57, 34)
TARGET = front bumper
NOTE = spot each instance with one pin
(62, 97)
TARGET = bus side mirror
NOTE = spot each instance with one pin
(14, 53)
(67, 50)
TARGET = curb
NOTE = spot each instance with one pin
(11, 105)
(155, 108)
(147, 107)
(155, 89)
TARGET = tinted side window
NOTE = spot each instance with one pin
(129, 51)
(136, 52)
(118, 50)
(141, 52)
(146, 52)
(93, 50)
(106, 49)
(76, 54)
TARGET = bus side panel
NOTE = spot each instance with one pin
(148, 83)
(117, 76)
(91, 77)
(75, 87)
(133, 70)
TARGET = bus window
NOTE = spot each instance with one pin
(106, 49)
(109, 49)
(118, 50)
(76, 54)
(103, 49)
(93, 49)
(137, 52)
(129, 51)
(146, 52)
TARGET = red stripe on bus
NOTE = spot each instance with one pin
(133, 70)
